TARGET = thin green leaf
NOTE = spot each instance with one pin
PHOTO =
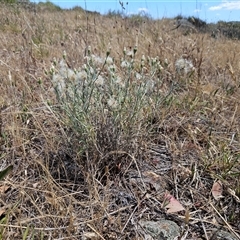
(6, 171)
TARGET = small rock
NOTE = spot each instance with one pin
(160, 230)
(222, 235)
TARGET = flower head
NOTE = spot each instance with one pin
(119, 81)
(112, 102)
(97, 60)
(184, 66)
(138, 76)
(109, 60)
(100, 80)
(125, 64)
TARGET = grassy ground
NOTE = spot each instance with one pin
(93, 157)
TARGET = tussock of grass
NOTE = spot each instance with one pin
(92, 106)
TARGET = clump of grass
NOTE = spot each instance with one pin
(197, 22)
(107, 107)
(137, 20)
(115, 14)
(49, 6)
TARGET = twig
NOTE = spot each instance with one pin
(230, 228)
(134, 211)
(129, 218)
(184, 235)
(203, 226)
(96, 231)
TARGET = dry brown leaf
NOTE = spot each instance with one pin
(172, 204)
(154, 179)
(182, 172)
(217, 190)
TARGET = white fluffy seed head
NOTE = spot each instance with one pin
(184, 66)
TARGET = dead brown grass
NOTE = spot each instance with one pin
(54, 194)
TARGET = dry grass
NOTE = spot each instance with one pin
(190, 138)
